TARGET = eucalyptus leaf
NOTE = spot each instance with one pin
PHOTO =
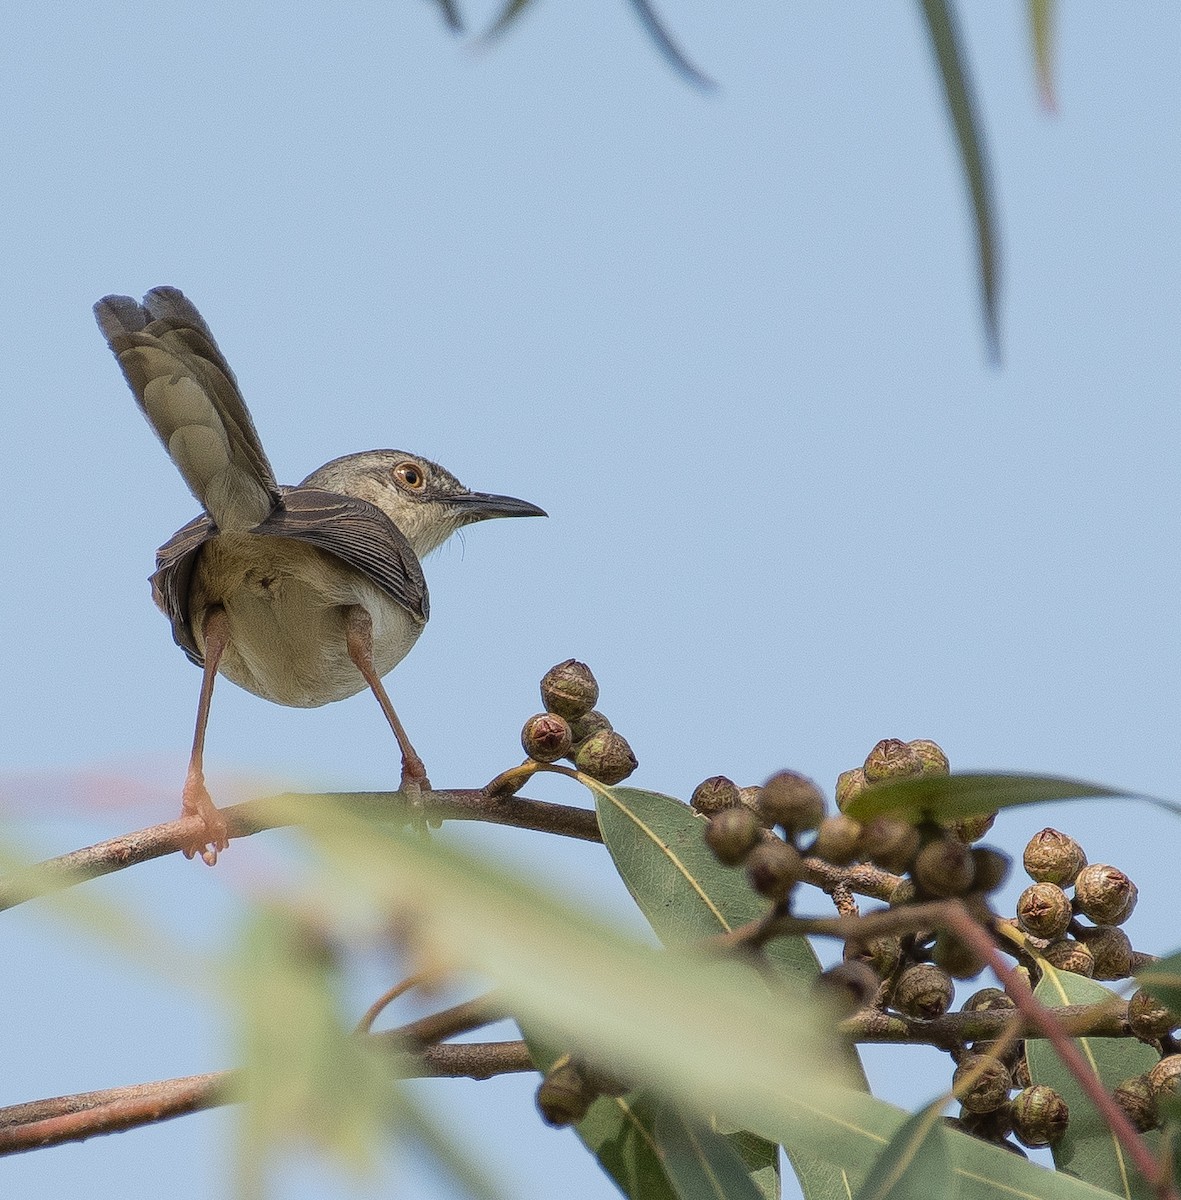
(1041, 27)
(1089, 1149)
(701, 1164)
(915, 1162)
(1163, 979)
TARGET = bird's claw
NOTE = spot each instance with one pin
(214, 834)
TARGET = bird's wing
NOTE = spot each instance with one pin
(170, 584)
(190, 397)
(359, 534)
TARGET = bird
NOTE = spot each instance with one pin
(301, 595)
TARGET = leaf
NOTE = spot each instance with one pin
(1089, 1149)
(508, 14)
(915, 1162)
(701, 1164)
(1041, 28)
(1163, 979)
(656, 30)
(451, 15)
(971, 794)
(961, 107)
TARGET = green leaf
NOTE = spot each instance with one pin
(961, 106)
(451, 14)
(1163, 979)
(1041, 28)
(915, 1162)
(971, 794)
(656, 30)
(1089, 1149)
(701, 1164)
(508, 14)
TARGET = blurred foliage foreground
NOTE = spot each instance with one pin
(683, 1066)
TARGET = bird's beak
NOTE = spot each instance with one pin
(481, 506)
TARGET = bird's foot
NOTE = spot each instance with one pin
(414, 785)
(214, 834)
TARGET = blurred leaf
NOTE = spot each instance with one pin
(451, 14)
(1163, 979)
(971, 794)
(961, 106)
(508, 14)
(712, 1037)
(915, 1161)
(1089, 1149)
(1041, 28)
(656, 30)
(702, 1164)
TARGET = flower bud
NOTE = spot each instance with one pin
(713, 794)
(972, 829)
(1044, 911)
(1021, 1077)
(1053, 857)
(1148, 1018)
(1136, 1097)
(1165, 1077)
(850, 785)
(606, 756)
(731, 834)
(981, 1084)
(546, 737)
(989, 999)
(992, 1126)
(890, 843)
(1040, 1116)
(892, 759)
(749, 796)
(1105, 895)
(837, 840)
(569, 689)
(564, 1096)
(774, 868)
(1111, 950)
(944, 868)
(1066, 954)
(956, 957)
(992, 868)
(791, 801)
(582, 727)
(852, 985)
(923, 991)
(883, 954)
(932, 760)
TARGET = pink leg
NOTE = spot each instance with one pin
(359, 639)
(196, 801)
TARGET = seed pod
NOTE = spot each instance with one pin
(592, 722)
(731, 834)
(956, 957)
(1040, 1116)
(944, 867)
(890, 843)
(713, 794)
(1044, 910)
(1148, 1018)
(749, 798)
(791, 801)
(564, 1096)
(923, 991)
(837, 840)
(850, 785)
(883, 954)
(1104, 894)
(892, 759)
(852, 985)
(1165, 1077)
(1136, 1097)
(981, 1084)
(1068, 955)
(1111, 950)
(774, 868)
(606, 756)
(992, 869)
(1021, 1077)
(992, 1126)
(546, 737)
(989, 999)
(1053, 857)
(569, 689)
(932, 760)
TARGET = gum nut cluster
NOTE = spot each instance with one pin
(572, 728)
(1067, 891)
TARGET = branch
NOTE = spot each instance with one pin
(254, 816)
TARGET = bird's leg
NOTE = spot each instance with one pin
(359, 639)
(196, 801)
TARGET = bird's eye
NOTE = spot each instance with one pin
(410, 475)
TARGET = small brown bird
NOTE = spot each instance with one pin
(302, 595)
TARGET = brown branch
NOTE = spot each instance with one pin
(53, 1122)
(254, 816)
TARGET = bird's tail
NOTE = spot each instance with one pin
(191, 399)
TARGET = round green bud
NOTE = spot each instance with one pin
(546, 737)
(713, 794)
(569, 689)
(981, 1084)
(606, 756)
(1053, 857)
(731, 834)
(923, 991)
(1040, 1116)
(791, 801)
(1104, 894)
(1044, 910)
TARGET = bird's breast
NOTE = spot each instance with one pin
(286, 601)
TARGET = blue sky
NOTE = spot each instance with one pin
(731, 342)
